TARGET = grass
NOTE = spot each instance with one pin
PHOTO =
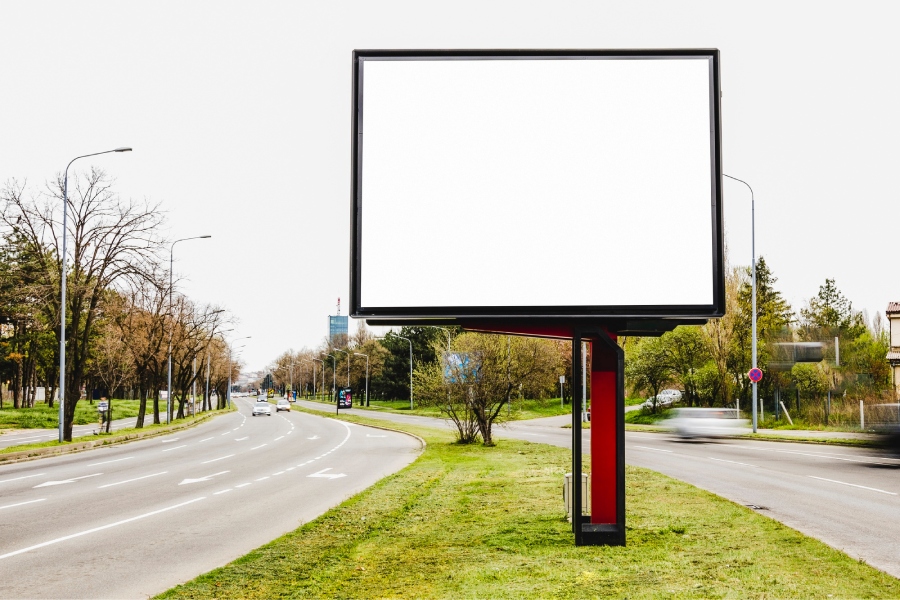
(41, 416)
(470, 521)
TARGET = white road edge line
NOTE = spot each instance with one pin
(850, 484)
(733, 462)
(215, 459)
(21, 503)
(101, 528)
(130, 480)
(654, 449)
(106, 462)
(23, 477)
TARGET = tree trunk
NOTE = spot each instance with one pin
(142, 408)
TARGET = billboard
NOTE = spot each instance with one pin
(337, 326)
(536, 183)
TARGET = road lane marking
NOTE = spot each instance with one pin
(204, 478)
(315, 437)
(278, 438)
(215, 459)
(170, 441)
(853, 485)
(130, 480)
(175, 448)
(261, 478)
(226, 433)
(381, 436)
(23, 477)
(106, 462)
(101, 528)
(654, 449)
(290, 468)
(222, 492)
(278, 473)
(48, 483)
(243, 485)
(290, 432)
(21, 503)
(734, 462)
(258, 447)
(242, 439)
(325, 475)
(206, 440)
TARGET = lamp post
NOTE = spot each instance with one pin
(207, 403)
(62, 293)
(347, 352)
(410, 367)
(367, 375)
(753, 292)
(228, 392)
(333, 377)
(314, 375)
(172, 331)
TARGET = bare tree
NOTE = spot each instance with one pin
(112, 242)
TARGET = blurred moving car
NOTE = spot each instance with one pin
(283, 405)
(262, 408)
(884, 419)
(707, 422)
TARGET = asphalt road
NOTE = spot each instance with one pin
(846, 497)
(134, 520)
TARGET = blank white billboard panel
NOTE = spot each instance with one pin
(515, 182)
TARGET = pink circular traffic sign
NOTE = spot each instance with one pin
(755, 375)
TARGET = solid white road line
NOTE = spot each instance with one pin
(215, 459)
(733, 462)
(101, 528)
(654, 449)
(23, 477)
(106, 462)
(853, 485)
(175, 448)
(21, 503)
(130, 480)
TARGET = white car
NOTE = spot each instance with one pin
(262, 408)
(707, 422)
(283, 405)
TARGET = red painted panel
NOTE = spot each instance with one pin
(603, 434)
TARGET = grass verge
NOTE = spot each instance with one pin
(470, 521)
(42, 416)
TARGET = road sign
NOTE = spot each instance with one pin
(345, 398)
(755, 375)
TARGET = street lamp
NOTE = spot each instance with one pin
(333, 379)
(172, 331)
(314, 376)
(753, 293)
(347, 352)
(410, 365)
(367, 375)
(62, 293)
(228, 393)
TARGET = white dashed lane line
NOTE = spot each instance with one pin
(215, 459)
(242, 439)
(206, 440)
(106, 462)
(853, 485)
(21, 503)
(175, 448)
(130, 480)
(258, 447)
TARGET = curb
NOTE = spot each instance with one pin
(36, 453)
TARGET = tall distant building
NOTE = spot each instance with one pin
(337, 325)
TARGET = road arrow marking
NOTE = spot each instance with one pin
(74, 479)
(322, 473)
(207, 478)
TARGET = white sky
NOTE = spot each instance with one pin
(239, 115)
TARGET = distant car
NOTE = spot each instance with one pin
(283, 405)
(707, 422)
(262, 408)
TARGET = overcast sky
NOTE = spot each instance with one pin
(239, 116)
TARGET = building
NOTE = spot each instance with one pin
(337, 328)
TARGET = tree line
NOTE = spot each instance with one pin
(121, 313)
(710, 362)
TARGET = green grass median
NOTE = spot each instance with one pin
(469, 521)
